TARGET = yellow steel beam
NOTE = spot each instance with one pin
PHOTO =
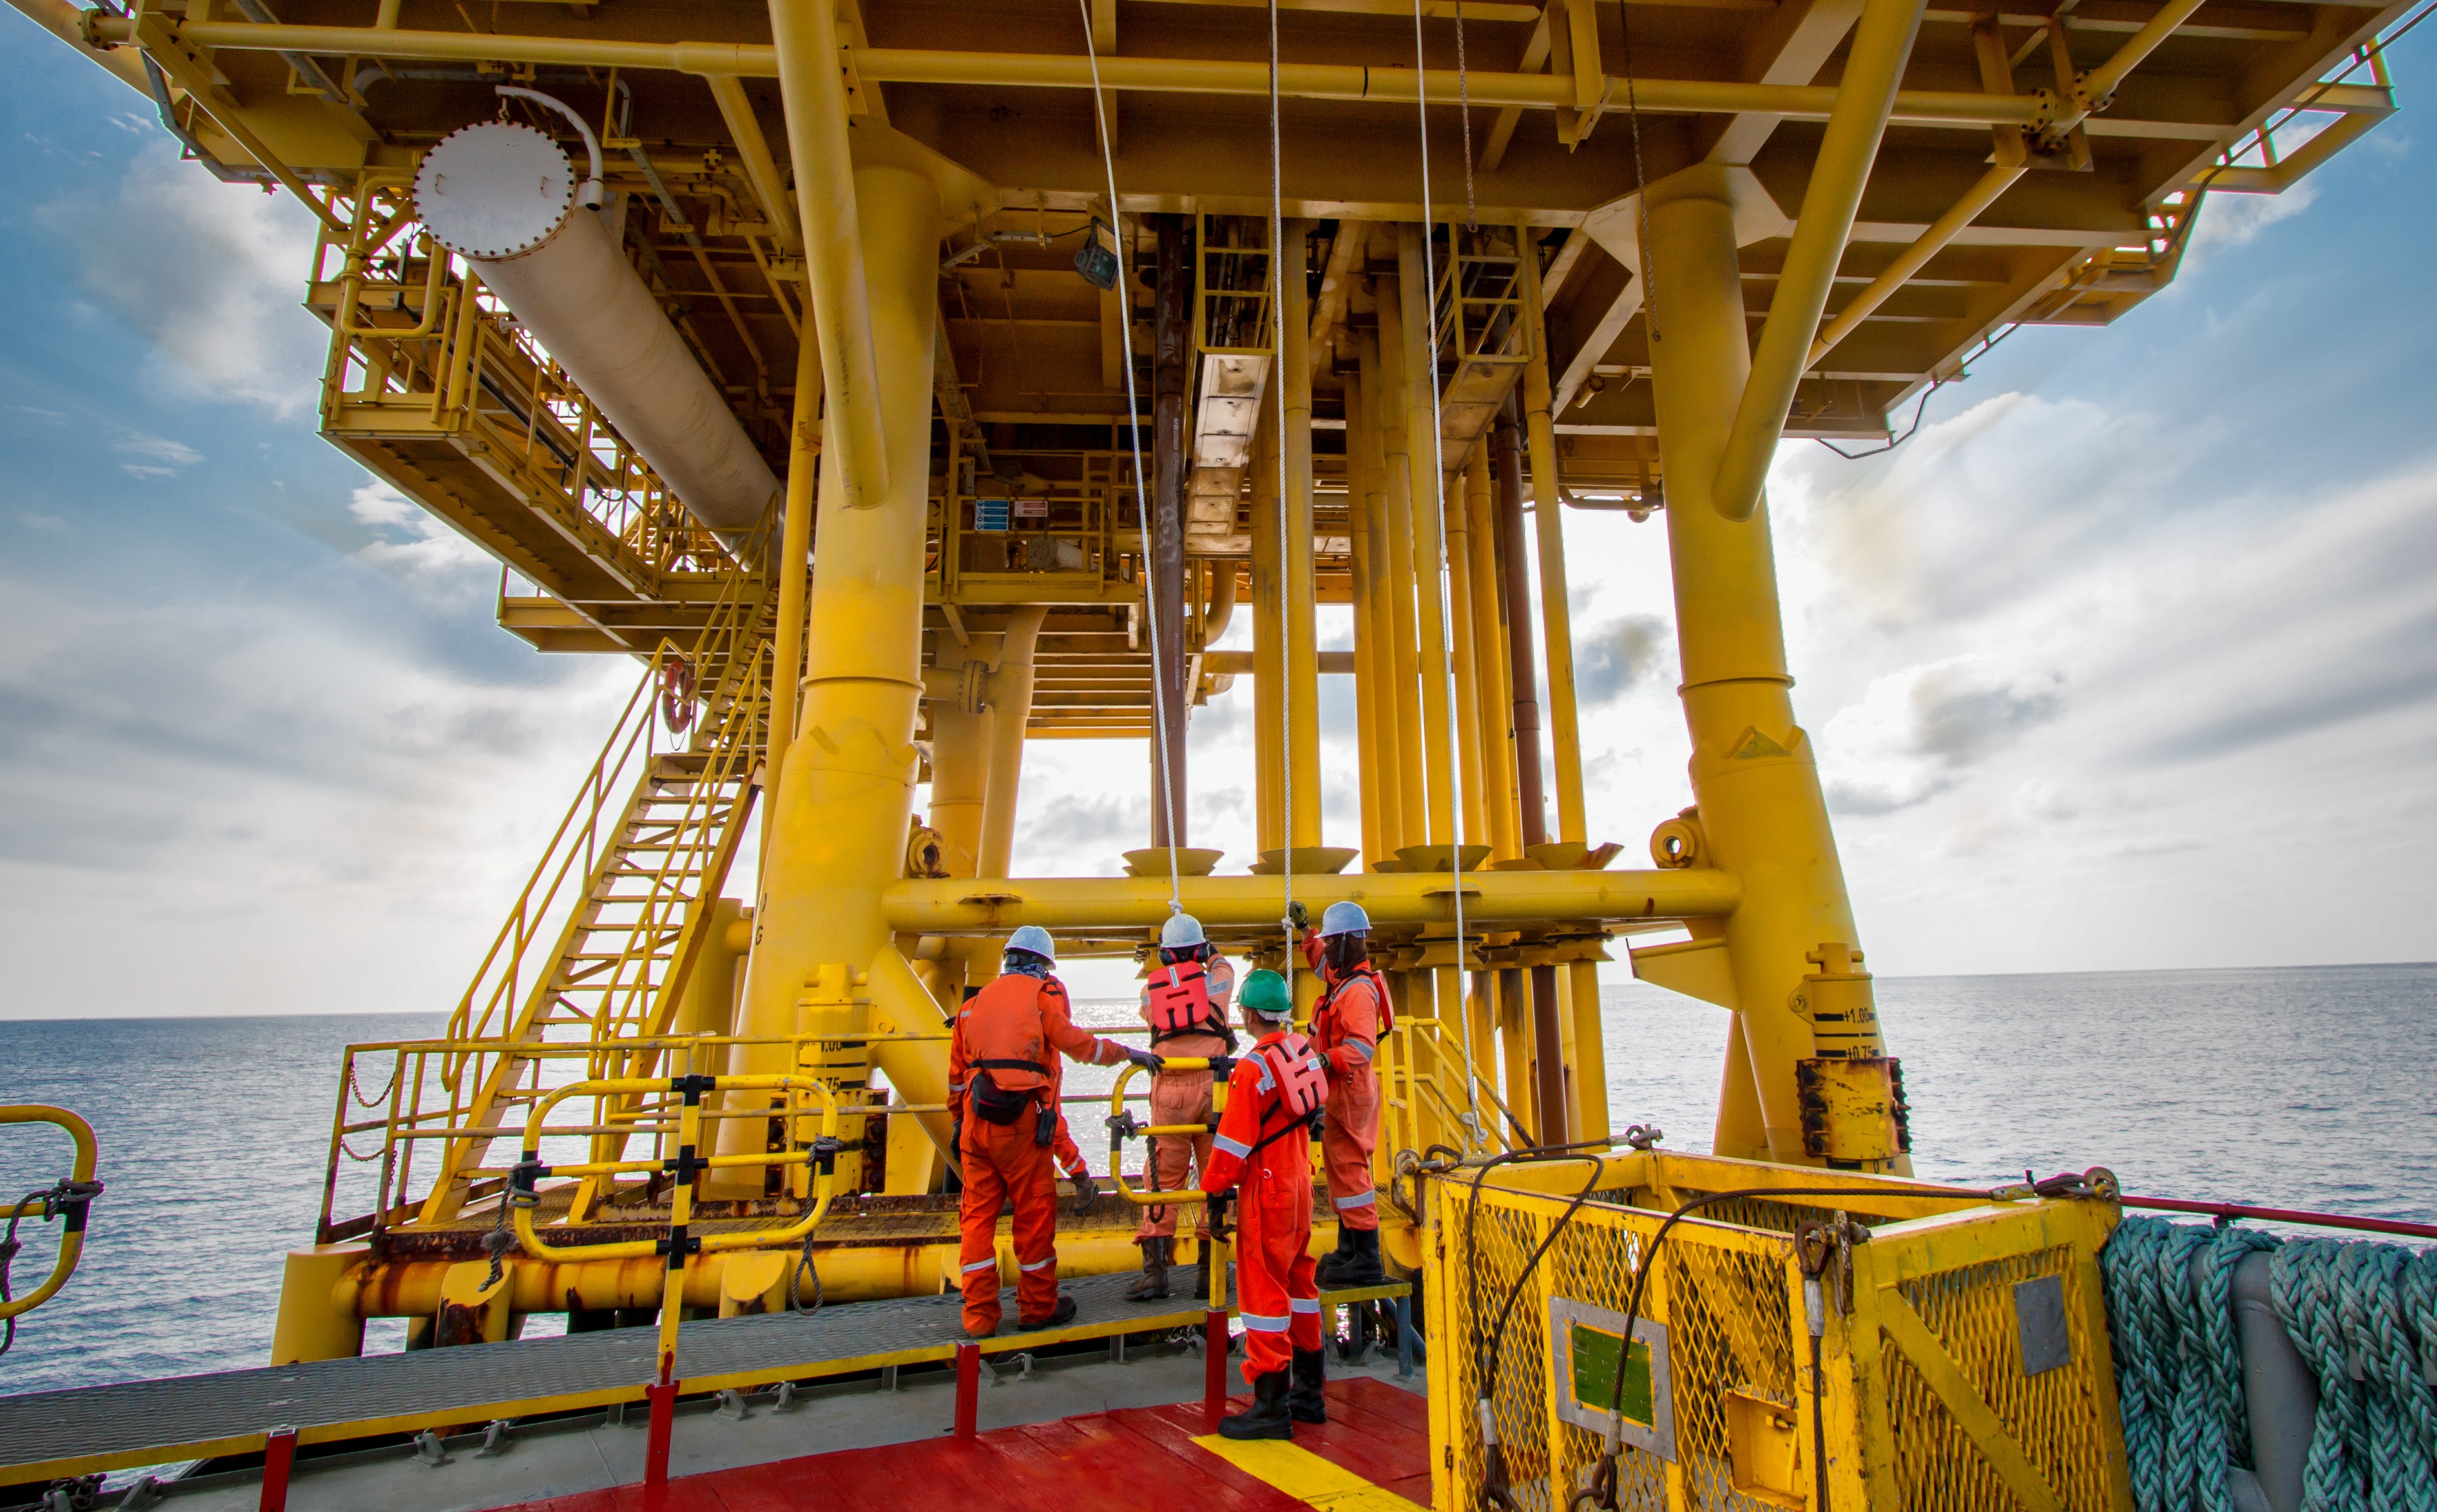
(995, 906)
(1180, 75)
(66, 22)
(759, 168)
(1881, 44)
(1913, 258)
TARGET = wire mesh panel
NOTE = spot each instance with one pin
(1961, 1342)
(2051, 1413)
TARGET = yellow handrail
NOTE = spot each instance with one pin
(1120, 1126)
(520, 1192)
(67, 1199)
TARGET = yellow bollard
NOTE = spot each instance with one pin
(310, 1324)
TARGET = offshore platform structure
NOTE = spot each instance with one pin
(902, 382)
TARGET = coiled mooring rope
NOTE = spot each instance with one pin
(2364, 1319)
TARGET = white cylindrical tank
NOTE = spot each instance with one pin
(502, 195)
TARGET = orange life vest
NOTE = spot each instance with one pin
(1323, 1019)
(1006, 1049)
(1180, 1002)
(1298, 1084)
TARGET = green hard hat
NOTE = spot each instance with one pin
(1264, 993)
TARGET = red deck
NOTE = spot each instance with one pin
(1109, 1461)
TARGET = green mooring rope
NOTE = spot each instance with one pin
(2362, 1316)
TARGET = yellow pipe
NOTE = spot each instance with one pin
(1340, 82)
(1359, 505)
(1873, 67)
(1913, 258)
(1590, 1119)
(916, 1068)
(2096, 90)
(1753, 775)
(959, 769)
(1465, 641)
(805, 34)
(80, 1168)
(1301, 596)
(181, 66)
(1268, 652)
(1433, 822)
(1549, 531)
(1011, 681)
(759, 168)
(926, 907)
(66, 22)
(1397, 699)
(1495, 698)
(795, 548)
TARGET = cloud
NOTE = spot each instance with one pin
(1918, 730)
(2237, 220)
(209, 272)
(40, 522)
(412, 545)
(159, 448)
(1616, 656)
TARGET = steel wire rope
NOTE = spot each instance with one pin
(1446, 595)
(1278, 328)
(1133, 435)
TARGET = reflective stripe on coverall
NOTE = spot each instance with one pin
(1345, 1030)
(1001, 1163)
(1183, 1097)
(1274, 1288)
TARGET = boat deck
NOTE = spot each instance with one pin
(1372, 1456)
(50, 1434)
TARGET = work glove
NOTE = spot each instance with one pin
(1146, 1060)
(1087, 1193)
(1298, 915)
(1217, 1210)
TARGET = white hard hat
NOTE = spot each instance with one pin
(1181, 933)
(1344, 918)
(1034, 938)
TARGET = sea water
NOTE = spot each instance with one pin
(2310, 1088)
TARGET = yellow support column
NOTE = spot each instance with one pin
(1556, 618)
(1418, 362)
(1010, 715)
(1413, 798)
(1753, 775)
(839, 817)
(961, 745)
(1301, 596)
(1590, 1117)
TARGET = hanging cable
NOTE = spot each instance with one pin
(1430, 355)
(1142, 486)
(1641, 177)
(1285, 611)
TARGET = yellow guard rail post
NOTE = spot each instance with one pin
(1121, 1123)
(67, 1198)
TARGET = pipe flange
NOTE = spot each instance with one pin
(493, 190)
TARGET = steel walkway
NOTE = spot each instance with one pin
(50, 1434)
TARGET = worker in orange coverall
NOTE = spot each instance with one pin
(1184, 1002)
(1003, 1079)
(1264, 1145)
(1354, 1012)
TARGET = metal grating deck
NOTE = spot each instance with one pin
(148, 1422)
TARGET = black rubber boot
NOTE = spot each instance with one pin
(1325, 1271)
(1267, 1418)
(1062, 1312)
(1157, 1253)
(1358, 1261)
(1304, 1402)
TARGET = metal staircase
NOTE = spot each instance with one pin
(598, 945)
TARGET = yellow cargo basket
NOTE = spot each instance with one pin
(1857, 1342)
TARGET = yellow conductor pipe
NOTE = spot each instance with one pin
(1464, 638)
(1301, 595)
(1268, 648)
(1359, 507)
(1399, 696)
(1405, 352)
(1549, 530)
(1489, 661)
(1882, 43)
(67, 1201)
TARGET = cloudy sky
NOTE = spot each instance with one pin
(2128, 659)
